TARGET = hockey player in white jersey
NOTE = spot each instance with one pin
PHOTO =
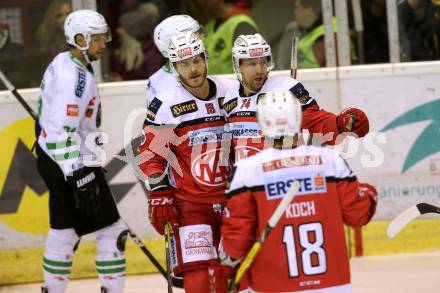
(163, 79)
(252, 60)
(68, 144)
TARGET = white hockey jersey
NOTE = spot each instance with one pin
(189, 135)
(69, 113)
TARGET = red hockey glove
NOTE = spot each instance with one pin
(353, 120)
(366, 189)
(161, 209)
(219, 277)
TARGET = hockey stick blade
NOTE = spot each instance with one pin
(399, 222)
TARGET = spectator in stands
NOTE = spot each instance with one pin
(137, 57)
(419, 25)
(50, 34)
(11, 60)
(308, 25)
(224, 21)
(375, 31)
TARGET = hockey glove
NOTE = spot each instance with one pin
(366, 189)
(161, 209)
(353, 120)
(85, 186)
(219, 277)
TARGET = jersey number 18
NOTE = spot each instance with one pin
(311, 239)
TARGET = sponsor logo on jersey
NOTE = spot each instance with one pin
(229, 106)
(197, 243)
(184, 52)
(246, 130)
(152, 108)
(220, 102)
(213, 118)
(310, 183)
(245, 114)
(72, 110)
(257, 52)
(184, 108)
(80, 83)
(206, 135)
(212, 167)
(210, 108)
(291, 162)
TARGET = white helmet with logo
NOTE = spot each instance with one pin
(279, 114)
(86, 23)
(249, 47)
(185, 46)
(170, 27)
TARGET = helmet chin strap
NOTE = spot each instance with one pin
(86, 56)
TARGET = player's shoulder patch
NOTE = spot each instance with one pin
(80, 81)
(184, 108)
(153, 108)
(300, 92)
(230, 105)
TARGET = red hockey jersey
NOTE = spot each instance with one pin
(241, 115)
(307, 249)
(187, 134)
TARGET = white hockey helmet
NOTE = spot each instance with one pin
(279, 114)
(87, 23)
(185, 46)
(249, 47)
(170, 27)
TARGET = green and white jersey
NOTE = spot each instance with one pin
(69, 113)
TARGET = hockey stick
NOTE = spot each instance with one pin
(399, 222)
(246, 263)
(294, 57)
(177, 282)
(168, 255)
(20, 99)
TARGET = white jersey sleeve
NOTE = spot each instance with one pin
(162, 79)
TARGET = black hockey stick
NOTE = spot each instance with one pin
(20, 99)
(177, 282)
(399, 222)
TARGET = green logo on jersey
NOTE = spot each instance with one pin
(428, 142)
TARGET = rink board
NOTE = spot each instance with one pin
(401, 157)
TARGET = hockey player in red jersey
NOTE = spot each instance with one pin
(188, 118)
(252, 63)
(306, 251)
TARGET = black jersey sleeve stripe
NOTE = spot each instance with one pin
(335, 179)
(237, 191)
